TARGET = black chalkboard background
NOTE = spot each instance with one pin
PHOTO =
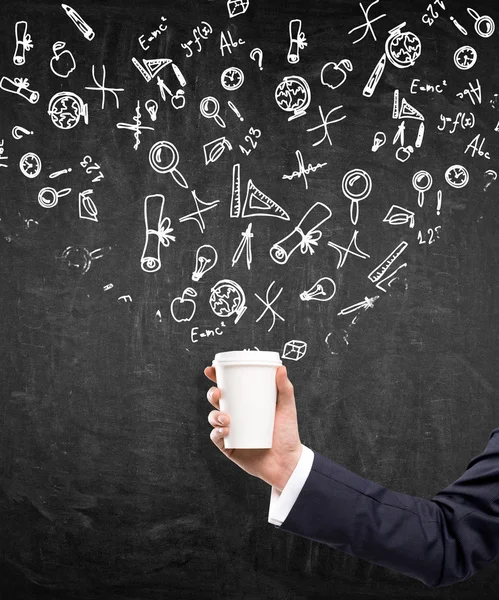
(109, 484)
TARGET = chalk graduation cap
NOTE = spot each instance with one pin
(397, 215)
(256, 203)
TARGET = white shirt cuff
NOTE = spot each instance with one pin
(281, 503)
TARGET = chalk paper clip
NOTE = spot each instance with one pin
(304, 236)
(20, 87)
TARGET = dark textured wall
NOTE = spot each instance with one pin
(109, 484)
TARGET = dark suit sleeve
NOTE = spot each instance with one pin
(439, 541)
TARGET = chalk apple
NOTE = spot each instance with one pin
(63, 62)
(179, 98)
(182, 307)
(333, 75)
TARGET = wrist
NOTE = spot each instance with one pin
(286, 469)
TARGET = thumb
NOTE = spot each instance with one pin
(285, 389)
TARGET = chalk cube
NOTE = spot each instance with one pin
(237, 7)
(294, 350)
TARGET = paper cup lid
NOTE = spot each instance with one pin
(247, 357)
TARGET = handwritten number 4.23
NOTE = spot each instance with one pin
(254, 134)
(431, 14)
(89, 168)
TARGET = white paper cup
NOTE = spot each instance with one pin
(246, 380)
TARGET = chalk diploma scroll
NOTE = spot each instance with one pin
(158, 232)
(305, 235)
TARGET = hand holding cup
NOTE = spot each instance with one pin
(273, 465)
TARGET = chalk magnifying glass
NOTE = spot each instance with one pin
(484, 25)
(422, 182)
(349, 188)
(210, 108)
(48, 197)
(164, 158)
(78, 258)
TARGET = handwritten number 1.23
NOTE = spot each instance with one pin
(432, 235)
(431, 14)
(254, 134)
(95, 167)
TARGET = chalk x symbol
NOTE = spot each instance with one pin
(196, 215)
(325, 123)
(344, 252)
(368, 23)
(268, 305)
(102, 88)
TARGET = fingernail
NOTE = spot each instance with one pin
(220, 429)
(210, 394)
(221, 420)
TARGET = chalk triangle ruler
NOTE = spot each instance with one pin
(258, 204)
(404, 110)
(150, 67)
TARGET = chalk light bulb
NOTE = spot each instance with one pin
(379, 140)
(206, 259)
(152, 109)
(322, 290)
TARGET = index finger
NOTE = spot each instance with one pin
(211, 373)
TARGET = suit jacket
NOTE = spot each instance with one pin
(439, 541)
